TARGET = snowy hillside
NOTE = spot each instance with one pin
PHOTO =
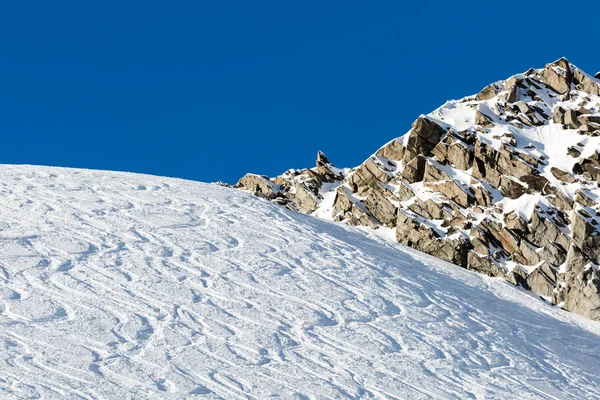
(117, 285)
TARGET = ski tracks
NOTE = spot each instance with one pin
(117, 285)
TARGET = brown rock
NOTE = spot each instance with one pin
(562, 175)
(393, 150)
(423, 137)
(558, 76)
(259, 185)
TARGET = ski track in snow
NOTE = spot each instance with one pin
(116, 286)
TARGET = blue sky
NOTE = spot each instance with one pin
(211, 90)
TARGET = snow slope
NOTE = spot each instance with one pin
(117, 285)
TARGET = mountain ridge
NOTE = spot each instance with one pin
(503, 182)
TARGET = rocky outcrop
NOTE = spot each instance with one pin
(504, 183)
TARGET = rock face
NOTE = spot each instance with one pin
(504, 183)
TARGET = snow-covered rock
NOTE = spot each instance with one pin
(125, 286)
(503, 182)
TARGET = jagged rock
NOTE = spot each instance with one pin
(483, 120)
(481, 196)
(566, 117)
(573, 152)
(540, 283)
(487, 93)
(325, 169)
(591, 165)
(544, 232)
(455, 152)
(512, 164)
(414, 170)
(558, 76)
(585, 83)
(582, 294)
(392, 150)
(305, 200)
(511, 187)
(367, 175)
(453, 191)
(379, 204)
(477, 183)
(405, 192)
(511, 89)
(483, 265)
(557, 198)
(590, 124)
(259, 185)
(515, 222)
(562, 175)
(341, 202)
(585, 236)
(433, 174)
(422, 138)
(485, 164)
(585, 198)
(415, 234)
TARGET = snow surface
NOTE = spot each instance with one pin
(116, 285)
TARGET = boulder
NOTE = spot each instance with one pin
(453, 191)
(393, 150)
(304, 199)
(562, 175)
(585, 83)
(485, 163)
(487, 93)
(367, 175)
(416, 234)
(455, 152)
(582, 292)
(558, 76)
(511, 187)
(414, 170)
(422, 138)
(261, 186)
(379, 204)
(483, 119)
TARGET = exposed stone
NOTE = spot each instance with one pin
(414, 170)
(305, 200)
(422, 138)
(367, 175)
(392, 150)
(573, 152)
(259, 185)
(433, 173)
(511, 187)
(453, 191)
(515, 222)
(485, 164)
(582, 294)
(487, 93)
(584, 198)
(540, 283)
(454, 151)
(558, 76)
(562, 175)
(585, 83)
(420, 188)
(379, 204)
(483, 120)
(413, 233)
(481, 196)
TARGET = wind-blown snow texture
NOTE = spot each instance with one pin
(118, 285)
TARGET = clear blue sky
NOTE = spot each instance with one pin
(209, 90)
